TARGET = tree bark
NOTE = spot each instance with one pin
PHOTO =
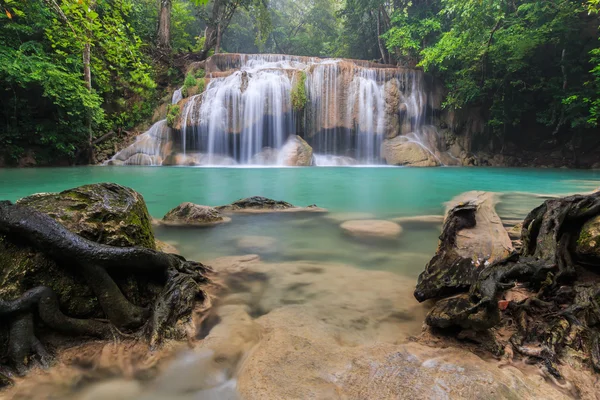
(164, 25)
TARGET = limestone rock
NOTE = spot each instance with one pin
(588, 243)
(194, 214)
(399, 151)
(296, 153)
(258, 204)
(371, 228)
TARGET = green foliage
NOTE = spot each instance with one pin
(172, 114)
(298, 94)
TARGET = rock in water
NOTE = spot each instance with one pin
(588, 242)
(473, 236)
(79, 287)
(194, 214)
(399, 151)
(296, 153)
(372, 228)
(257, 204)
(106, 213)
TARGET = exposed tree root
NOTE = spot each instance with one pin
(563, 314)
(94, 261)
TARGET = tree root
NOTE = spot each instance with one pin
(94, 261)
(564, 312)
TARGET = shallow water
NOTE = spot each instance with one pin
(293, 242)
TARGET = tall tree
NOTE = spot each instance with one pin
(164, 25)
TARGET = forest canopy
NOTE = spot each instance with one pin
(75, 71)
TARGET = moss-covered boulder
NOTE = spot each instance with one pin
(588, 242)
(106, 213)
(194, 214)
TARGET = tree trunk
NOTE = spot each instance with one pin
(164, 25)
(384, 57)
(219, 35)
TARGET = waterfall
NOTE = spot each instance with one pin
(148, 148)
(245, 114)
(177, 96)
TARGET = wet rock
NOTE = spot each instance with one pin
(372, 228)
(588, 242)
(448, 313)
(472, 237)
(399, 151)
(106, 213)
(166, 247)
(515, 232)
(194, 214)
(296, 153)
(258, 204)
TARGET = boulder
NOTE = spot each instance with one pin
(399, 151)
(588, 242)
(472, 237)
(194, 214)
(258, 204)
(106, 213)
(371, 228)
(296, 153)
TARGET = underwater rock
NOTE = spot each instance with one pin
(259, 244)
(194, 214)
(400, 151)
(588, 242)
(258, 204)
(473, 236)
(372, 228)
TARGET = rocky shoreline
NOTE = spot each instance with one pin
(263, 329)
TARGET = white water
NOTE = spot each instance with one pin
(351, 108)
(148, 148)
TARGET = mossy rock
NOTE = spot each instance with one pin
(194, 214)
(588, 242)
(105, 213)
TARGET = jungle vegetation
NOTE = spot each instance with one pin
(74, 72)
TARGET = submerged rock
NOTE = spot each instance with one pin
(399, 151)
(194, 214)
(372, 228)
(259, 244)
(258, 204)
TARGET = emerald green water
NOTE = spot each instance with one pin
(382, 192)
(402, 191)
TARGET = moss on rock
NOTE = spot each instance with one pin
(105, 213)
(588, 242)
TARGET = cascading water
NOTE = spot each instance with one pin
(245, 115)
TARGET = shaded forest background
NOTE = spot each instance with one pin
(75, 72)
